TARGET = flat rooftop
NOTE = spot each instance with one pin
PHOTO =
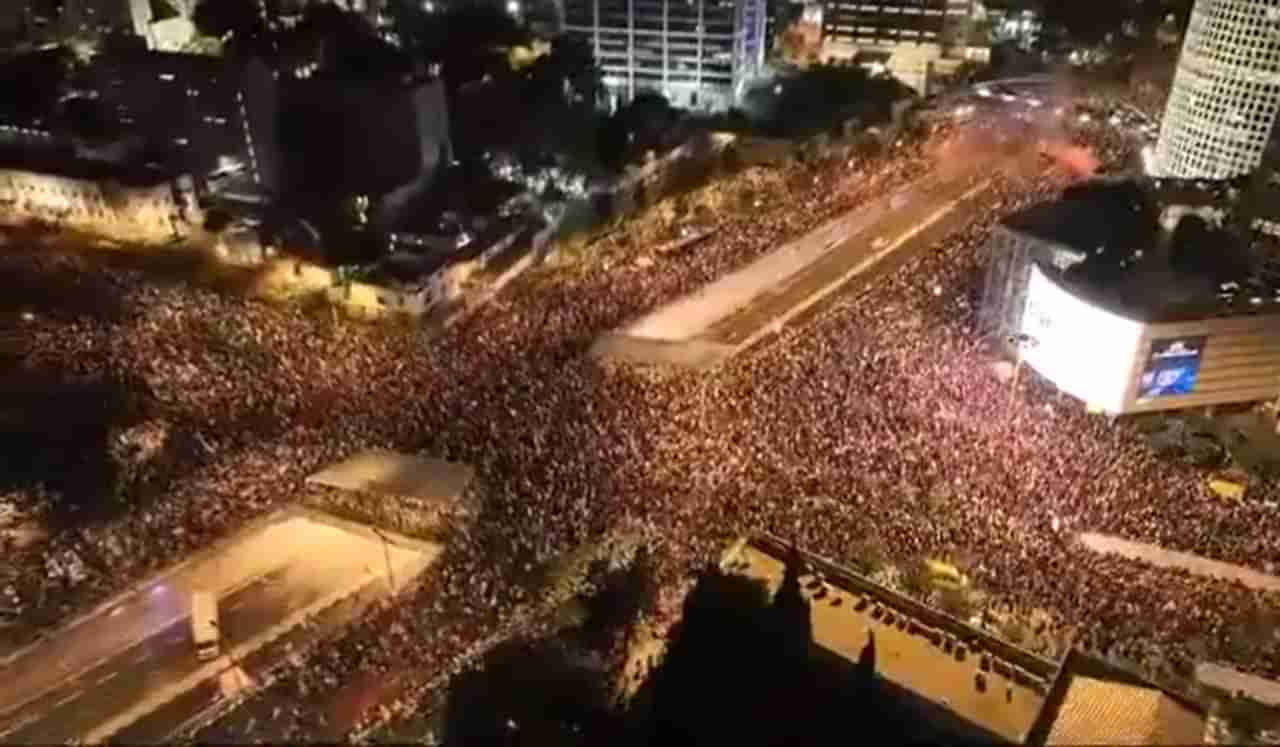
(391, 474)
(917, 656)
(1100, 711)
(1110, 229)
(1095, 703)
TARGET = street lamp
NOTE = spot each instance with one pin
(386, 552)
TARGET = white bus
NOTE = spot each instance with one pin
(205, 633)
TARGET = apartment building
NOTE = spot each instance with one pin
(912, 39)
(193, 113)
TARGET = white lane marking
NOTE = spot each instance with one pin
(21, 723)
(107, 678)
(868, 262)
(65, 699)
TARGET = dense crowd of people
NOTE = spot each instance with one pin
(884, 407)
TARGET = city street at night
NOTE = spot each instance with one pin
(124, 662)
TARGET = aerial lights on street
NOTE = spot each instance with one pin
(513, 7)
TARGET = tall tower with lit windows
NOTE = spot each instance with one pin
(1226, 92)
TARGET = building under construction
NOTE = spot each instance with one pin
(699, 54)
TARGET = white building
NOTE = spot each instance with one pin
(916, 41)
(165, 24)
(699, 54)
(1226, 91)
(135, 210)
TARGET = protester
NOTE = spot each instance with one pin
(878, 422)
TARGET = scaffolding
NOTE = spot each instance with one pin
(1010, 257)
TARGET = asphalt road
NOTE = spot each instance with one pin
(88, 700)
(809, 284)
(910, 212)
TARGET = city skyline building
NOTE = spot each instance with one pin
(883, 24)
(1225, 94)
(192, 113)
(914, 40)
(699, 54)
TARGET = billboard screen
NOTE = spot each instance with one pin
(1172, 368)
(1086, 351)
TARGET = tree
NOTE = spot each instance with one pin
(469, 40)
(87, 119)
(338, 41)
(611, 143)
(217, 220)
(644, 124)
(1087, 22)
(34, 82)
(915, 579)
(815, 100)
(1244, 717)
(227, 19)
(1014, 630)
(558, 117)
(572, 62)
(649, 116)
(971, 71)
(957, 602)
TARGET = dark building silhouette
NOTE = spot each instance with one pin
(384, 138)
(191, 113)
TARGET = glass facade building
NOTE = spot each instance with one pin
(698, 53)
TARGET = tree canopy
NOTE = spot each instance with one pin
(240, 19)
(469, 41)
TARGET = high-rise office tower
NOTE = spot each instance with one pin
(886, 23)
(697, 53)
(1226, 91)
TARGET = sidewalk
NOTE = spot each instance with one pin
(1163, 558)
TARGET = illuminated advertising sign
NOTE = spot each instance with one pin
(1172, 367)
(1086, 351)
